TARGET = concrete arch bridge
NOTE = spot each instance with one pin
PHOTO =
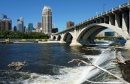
(117, 19)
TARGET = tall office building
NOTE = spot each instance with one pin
(38, 25)
(30, 27)
(5, 23)
(14, 28)
(26, 29)
(69, 24)
(20, 25)
(47, 20)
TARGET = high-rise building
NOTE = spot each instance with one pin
(14, 28)
(26, 29)
(38, 25)
(30, 27)
(69, 24)
(54, 30)
(47, 20)
(5, 23)
(20, 25)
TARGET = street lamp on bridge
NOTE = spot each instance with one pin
(104, 7)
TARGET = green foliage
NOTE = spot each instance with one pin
(106, 38)
(22, 35)
(116, 44)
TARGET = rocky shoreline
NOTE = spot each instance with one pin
(125, 70)
(124, 65)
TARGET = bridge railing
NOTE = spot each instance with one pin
(109, 11)
(124, 5)
(99, 15)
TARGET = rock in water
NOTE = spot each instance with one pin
(18, 65)
(19, 68)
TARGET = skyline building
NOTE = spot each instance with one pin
(5, 23)
(30, 27)
(54, 30)
(20, 25)
(69, 24)
(26, 29)
(110, 33)
(47, 20)
(38, 25)
(14, 28)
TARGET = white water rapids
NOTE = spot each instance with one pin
(74, 75)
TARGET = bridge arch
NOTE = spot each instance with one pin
(54, 38)
(58, 37)
(68, 37)
(88, 33)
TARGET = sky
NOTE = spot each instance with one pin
(62, 10)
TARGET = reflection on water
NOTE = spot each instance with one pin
(47, 64)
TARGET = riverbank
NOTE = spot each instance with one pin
(30, 42)
(10, 41)
(48, 42)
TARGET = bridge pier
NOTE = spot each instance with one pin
(75, 43)
(127, 44)
(62, 42)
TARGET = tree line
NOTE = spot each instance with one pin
(110, 38)
(22, 35)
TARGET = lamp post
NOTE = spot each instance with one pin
(104, 7)
(96, 13)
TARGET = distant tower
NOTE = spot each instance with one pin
(47, 20)
(69, 24)
(20, 25)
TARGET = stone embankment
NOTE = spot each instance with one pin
(18, 65)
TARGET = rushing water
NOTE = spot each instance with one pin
(47, 63)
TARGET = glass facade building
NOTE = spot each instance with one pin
(30, 27)
(109, 33)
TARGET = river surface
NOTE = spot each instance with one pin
(47, 63)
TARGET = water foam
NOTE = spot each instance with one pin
(68, 76)
(74, 75)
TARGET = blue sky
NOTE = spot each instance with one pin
(62, 10)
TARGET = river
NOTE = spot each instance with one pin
(47, 63)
